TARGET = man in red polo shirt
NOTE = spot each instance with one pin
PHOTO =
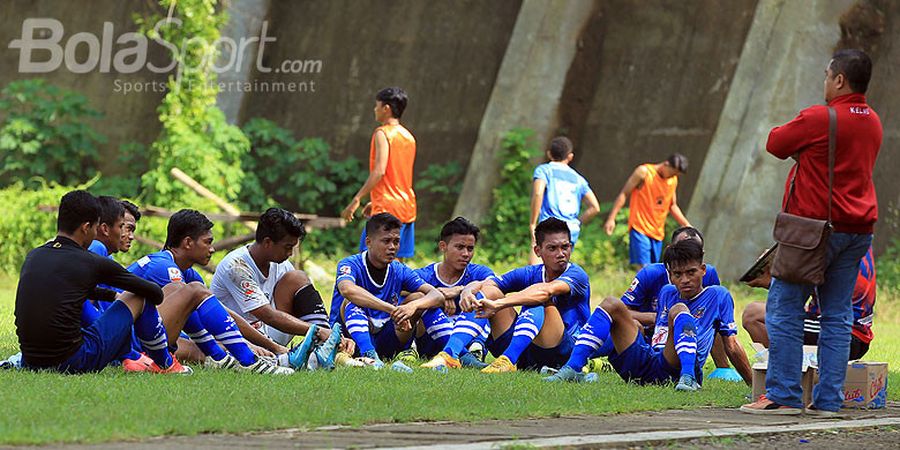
(854, 212)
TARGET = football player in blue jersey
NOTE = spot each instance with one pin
(555, 301)
(692, 312)
(457, 338)
(367, 294)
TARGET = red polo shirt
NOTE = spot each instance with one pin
(859, 132)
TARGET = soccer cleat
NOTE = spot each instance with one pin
(343, 359)
(376, 362)
(326, 351)
(398, 366)
(500, 365)
(13, 362)
(409, 356)
(299, 355)
(265, 366)
(687, 383)
(469, 359)
(174, 368)
(477, 351)
(135, 365)
(765, 406)
(547, 371)
(228, 362)
(442, 359)
(566, 373)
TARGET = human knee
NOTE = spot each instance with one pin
(613, 305)
(295, 279)
(677, 309)
(754, 313)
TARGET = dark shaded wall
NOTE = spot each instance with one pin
(664, 72)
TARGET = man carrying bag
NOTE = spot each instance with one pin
(825, 228)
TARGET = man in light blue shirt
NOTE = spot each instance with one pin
(558, 191)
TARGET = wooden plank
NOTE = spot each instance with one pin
(206, 193)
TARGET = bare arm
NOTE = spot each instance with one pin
(253, 335)
(635, 180)
(363, 298)
(534, 295)
(738, 357)
(537, 199)
(382, 150)
(645, 318)
(286, 322)
(433, 299)
(593, 207)
(677, 214)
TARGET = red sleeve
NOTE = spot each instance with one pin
(791, 137)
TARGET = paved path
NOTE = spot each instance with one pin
(624, 430)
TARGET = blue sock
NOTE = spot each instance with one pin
(217, 320)
(193, 326)
(685, 329)
(594, 336)
(358, 326)
(152, 334)
(525, 329)
(438, 326)
(466, 330)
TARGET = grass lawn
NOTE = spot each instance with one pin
(43, 407)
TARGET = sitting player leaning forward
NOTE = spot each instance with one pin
(555, 300)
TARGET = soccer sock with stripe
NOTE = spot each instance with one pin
(594, 334)
(217, 320)
(685, 329)
(466, 330)
(358, 326)
(525, 329)
(193, 327)
(152, 334)
(308, 306)
(438, 326)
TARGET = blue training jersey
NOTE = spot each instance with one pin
(645, 288)
(473, 272)
(161, 269)
(574, 307)
(562, 197)
(399, 278)
(713, 309)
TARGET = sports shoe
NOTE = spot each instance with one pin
(398, 366)
(469, 359)
(174, 368)
(343, 359)
(376, 362)
(765, 406)
(299, 355)
(566, 373)
(477, 351)
(687, 383)
(409, 356)
(547, 371)
(265, 366)
(136, 365)
(228, 362)
(816, 413)
(13, 362)
(442, 359)
(500, 365)
(326, 351)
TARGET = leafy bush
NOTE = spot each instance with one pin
(439, 185)
(46, 133)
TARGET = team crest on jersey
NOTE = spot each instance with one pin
(174, 275)
(247, 287)
(634, 285)
(345, 270)
(699, 313)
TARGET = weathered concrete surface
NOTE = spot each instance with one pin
(488, 432)
(527, 91)
(780, 72)
(246, 19)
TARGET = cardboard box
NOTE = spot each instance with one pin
(809, 379)
(866, 385)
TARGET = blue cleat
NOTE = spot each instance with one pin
(567, 373)
(299, 355)
(326, 351)
(398, 366)
(470, 359)
(376, 362)
(687, 383)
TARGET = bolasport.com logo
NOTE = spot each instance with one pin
(44, 47)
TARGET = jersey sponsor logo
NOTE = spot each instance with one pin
(660, 334)
(345, 270)
(247, 287)
(634, 284)
(859, 110)
(174, 275)
(144, 261)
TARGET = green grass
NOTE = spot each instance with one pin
(44, 407)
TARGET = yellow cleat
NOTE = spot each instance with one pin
(500, 365)
(442, 359)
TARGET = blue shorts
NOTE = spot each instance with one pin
(407, 240)
(104, 341)
(534, 357)
(643, 364)
(428, 347)
(642, 249)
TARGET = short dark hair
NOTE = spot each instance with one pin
(690, 231)
(75, 208)
(132, 209)
(276, 223)
(682, 252)
(395, 98)
(550, 225)
(678, 161)
(460, 226)
(111, 209)
(382, 222)
(856, 67)
(186, 223)
(560, 147)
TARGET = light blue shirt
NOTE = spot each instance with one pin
(562, 197)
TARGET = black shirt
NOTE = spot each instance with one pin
(56, 279)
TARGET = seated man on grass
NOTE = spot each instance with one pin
(188, 242)
(458, 338)
(55, 281)
(367, 295)
(693, 313)
(259, 282)
(555, 301)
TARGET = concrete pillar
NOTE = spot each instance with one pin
(780, 72)
(527, 90)
(245, 21)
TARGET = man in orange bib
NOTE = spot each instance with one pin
(392, 154)
(652, 190)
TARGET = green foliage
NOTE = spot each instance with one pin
(195, 136)
(887, 267)
(45, 133)
(596, 250)
(132, 157)
(440, 184)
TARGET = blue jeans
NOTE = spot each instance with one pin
(784, 322)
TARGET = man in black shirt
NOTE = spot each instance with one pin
(55, 281)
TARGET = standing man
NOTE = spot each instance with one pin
(557, 191)
(854, 212)
(392, 154)
(652, 190)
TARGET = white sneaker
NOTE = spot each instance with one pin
(228, 362)
(265, 366)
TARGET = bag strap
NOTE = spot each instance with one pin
(832, 143)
